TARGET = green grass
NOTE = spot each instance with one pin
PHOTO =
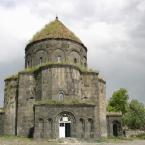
(16, 140)
(12, 137)
(1, 110)
(118, 139)
(81, 68)
(36, 68)
(107, 140)
(140, 136)
(13, 140)
(12, 77)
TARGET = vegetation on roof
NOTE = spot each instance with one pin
(81, 68)
(70, 101)
(114, 113)
(12, 77)
(1, 110)
(55, 29)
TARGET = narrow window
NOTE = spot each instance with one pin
(58, 58)
(75, 60)
(28, 63)
(61, 96)
(40, 60)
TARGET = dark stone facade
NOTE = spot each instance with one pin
(1, 122)
(81, 117)
(56, 95)
(50, 50)
(46, 84)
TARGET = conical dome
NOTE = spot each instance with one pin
(55, 43)
(55, 29)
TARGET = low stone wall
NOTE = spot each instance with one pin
(133, 133)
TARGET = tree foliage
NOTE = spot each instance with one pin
(135, 116)
(133, 112)
(119, 101)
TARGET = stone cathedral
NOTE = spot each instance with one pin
(57, 95)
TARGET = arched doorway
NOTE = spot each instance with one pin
(65, 125)
(116, 128)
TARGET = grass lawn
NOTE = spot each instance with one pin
(13, 140)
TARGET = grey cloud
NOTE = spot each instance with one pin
(8, 3)
(126, 69)
(6, 70)
(120, 73)
(121, 61)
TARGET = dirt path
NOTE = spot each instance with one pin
(135, 142)
(34, 142)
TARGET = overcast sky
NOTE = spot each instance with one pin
(112, 30)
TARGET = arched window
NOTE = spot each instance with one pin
(74, 57)
(58, 58)
(75, 60)
(61, 95)
(40, 57)
(64, 117)
(28, 63)
(40, 60)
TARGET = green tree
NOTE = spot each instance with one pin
(135, 117)
(119, 101)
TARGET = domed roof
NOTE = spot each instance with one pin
(55, 29)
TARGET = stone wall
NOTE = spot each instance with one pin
(55, 82)
(48, 82)
(134, 133)
(60, 79)
(10, 98)
(74, 84)
(55, 50)
(102, 106)
(25, 114)
(1, 122)
(112, 118)
(89, 86)
(46, 114)
(90, 91)
(52, 80)
(61, 74)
